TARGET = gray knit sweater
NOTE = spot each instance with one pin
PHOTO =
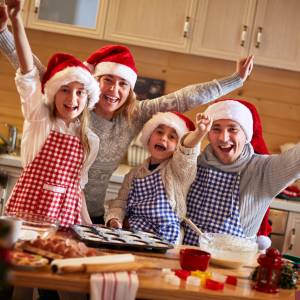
(116, 135)
(262, 178)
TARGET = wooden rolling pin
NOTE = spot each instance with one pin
(101, 268)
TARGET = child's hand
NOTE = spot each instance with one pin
(244, 67)
(114, 223)
(3, 17)
(203, 123)
(14, 8)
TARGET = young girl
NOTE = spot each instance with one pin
(58, 148)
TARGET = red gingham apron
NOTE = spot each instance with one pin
(50, 184)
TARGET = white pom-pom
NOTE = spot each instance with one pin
(263, 242)
(91, 67)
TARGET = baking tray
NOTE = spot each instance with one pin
(97, 237)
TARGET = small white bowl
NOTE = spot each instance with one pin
(228, 250)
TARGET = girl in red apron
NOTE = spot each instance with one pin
(57, 146)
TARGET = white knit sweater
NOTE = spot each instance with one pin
(177, 172)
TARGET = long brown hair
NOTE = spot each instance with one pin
(84, 119)
(128, 110)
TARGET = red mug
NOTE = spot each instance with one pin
(193, 259)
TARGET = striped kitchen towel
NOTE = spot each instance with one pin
(114, 286)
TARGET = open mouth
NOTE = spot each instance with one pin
(111, 99)
(226, 148)
(70, 107)
(159, 147)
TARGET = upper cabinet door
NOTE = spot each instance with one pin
(276, 33)
(160, 24)
(223, 28)
(73, 17)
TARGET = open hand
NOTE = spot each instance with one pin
(114, 223)
(3, 17)
(203, 123)
(14, 8)
(244, 67)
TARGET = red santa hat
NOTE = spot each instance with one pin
(63, 69)
(259, 147)
(114, 60)
(173, 119)
(232, 110)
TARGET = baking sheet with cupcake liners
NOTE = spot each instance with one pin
(96, 237)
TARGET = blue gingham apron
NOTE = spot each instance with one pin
(213, 204)
(149, 209)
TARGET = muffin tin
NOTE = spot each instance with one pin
(96, 236)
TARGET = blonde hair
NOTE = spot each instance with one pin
(84, 118)
(128, 110)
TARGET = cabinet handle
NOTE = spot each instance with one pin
(244, 34)
(292, 241)
(259, 35)
(37, 5)
(186, 26)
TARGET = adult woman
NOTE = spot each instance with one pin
(118, 117)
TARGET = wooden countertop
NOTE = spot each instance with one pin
(151, 282)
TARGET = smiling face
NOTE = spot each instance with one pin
(114, 92)
(70, 101)
(227, 139)
(162, 143)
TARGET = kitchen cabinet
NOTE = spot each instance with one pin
(279, 24)
(224, 29)
(160, 24)
(74, 17)
(112, 190)
(232, 29)
(13, 176)
(291, 243)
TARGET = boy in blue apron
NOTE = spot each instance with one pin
(153, 194)
(234, 185)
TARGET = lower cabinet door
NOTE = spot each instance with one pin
(291, 244)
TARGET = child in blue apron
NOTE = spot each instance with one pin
(153, 194)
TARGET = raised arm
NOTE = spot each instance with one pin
(7, 45)
(203, 125)
(195, 95)
(14, 8)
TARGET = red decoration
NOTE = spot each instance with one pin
(231, 280)
(182, 274)
(214, 285)
(193, 259)
(269, 271)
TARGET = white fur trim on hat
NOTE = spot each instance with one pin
(71, 74)
(263, 242)
(113, 68)
(164, 118)
(235, 111)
